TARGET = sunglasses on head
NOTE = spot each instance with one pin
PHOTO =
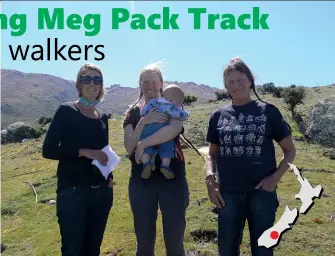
(97, 80)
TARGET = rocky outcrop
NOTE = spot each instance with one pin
(17, 132)
(320, 123)
(4, 137)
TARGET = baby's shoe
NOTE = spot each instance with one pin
(146, 172)
(167, 172)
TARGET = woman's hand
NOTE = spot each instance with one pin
(214, 193)
(95, 155)
(268, 183)
(155, 117)
(139, 152)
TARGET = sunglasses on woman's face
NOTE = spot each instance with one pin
(97, 80)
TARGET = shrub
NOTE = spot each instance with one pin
(7, 210)
(221, 95)
(44, 120)
(269, 87)
(189, 99)
(278, 92)
(293, 96)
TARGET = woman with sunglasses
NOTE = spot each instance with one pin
(77, 133)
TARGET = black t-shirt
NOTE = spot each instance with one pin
(69, 132)
(245, 137)
(177, 163)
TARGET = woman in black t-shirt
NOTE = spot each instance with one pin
(145, 195)
(242, 154)
(77, 133)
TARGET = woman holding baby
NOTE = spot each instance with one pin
(158, 175)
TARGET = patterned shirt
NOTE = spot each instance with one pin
(245, 137)
(163, 106)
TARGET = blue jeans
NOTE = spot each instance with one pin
(165, 150)
(82, 217)
(258, 207)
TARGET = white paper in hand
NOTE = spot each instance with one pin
(113, 161)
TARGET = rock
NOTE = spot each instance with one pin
(320, 122)
(4, 136)
(17, 132)
(18, 127)
(51, 202)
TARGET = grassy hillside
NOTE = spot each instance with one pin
(30, 228)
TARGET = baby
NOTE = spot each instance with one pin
(170, 104)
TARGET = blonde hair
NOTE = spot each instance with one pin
(154, 67)
(85, 67)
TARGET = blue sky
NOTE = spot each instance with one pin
(297, 49)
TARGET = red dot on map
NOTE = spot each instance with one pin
(274, 234)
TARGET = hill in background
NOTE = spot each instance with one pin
(29, 96)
